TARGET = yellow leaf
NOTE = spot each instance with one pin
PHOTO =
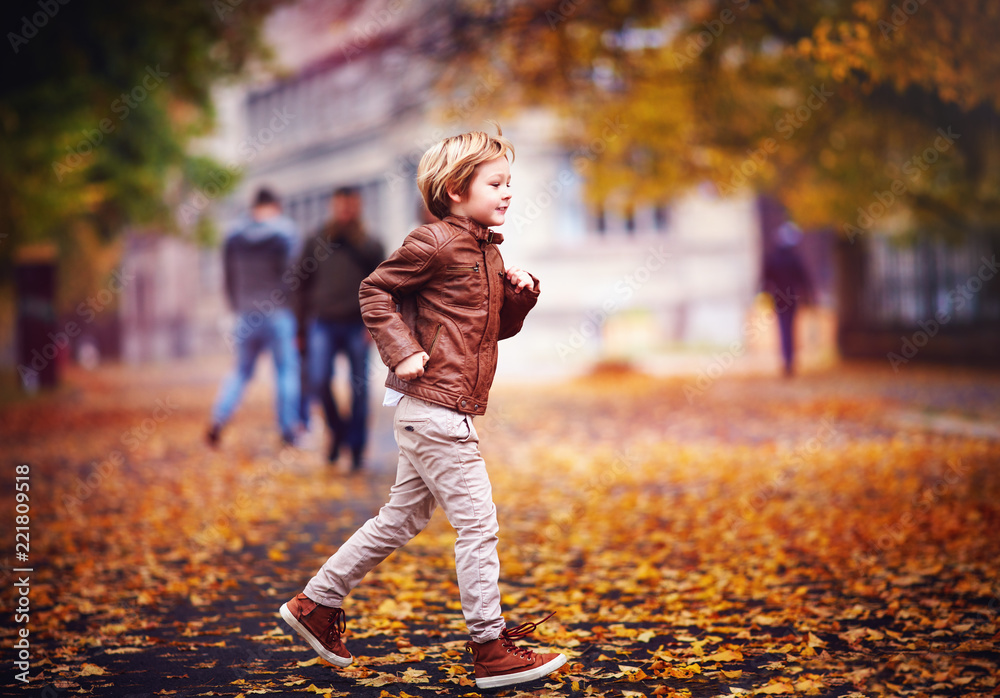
(91, 670)
(776, 688)
(412, 675)
(808, 686)
(814, 641)
(380, 679)
(684, 672)
(852, 636)
(725, 656)
(735, 674)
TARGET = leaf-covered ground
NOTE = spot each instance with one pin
(831, 535)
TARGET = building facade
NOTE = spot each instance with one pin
(615, 285)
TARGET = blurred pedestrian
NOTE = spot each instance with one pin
(787, 280)
(256, 255)
(436, 309)
(342, 254)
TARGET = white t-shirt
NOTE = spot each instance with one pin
(392, 398)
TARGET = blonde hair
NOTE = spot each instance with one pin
(450, 165)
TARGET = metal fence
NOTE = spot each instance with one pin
(925, 296)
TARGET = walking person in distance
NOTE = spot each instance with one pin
(256, 254)
(342, 253)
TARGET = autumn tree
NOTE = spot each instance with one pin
(862, 115)
(99, 102)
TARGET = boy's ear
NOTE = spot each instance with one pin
(457, 198)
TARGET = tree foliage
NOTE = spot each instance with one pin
(98, 104)
(862, 115)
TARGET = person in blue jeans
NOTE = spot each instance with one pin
(334, 262)
(256, 257)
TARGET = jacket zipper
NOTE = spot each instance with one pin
(437, 332)
(473, 269)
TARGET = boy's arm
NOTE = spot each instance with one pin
(517, 301)
(406, 270)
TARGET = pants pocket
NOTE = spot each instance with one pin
(464, 431)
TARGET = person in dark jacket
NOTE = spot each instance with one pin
(256, 256)
(342, 254)
(788, 282)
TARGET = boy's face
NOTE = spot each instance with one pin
(488, 196)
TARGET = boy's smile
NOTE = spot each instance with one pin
(488, 196)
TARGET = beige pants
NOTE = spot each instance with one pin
(439, 463)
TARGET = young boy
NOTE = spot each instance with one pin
(436, 309)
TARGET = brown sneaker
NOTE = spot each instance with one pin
(501, 663)
(320, 626)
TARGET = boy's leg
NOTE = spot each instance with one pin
(444, 448)
(406, 513)
(316, 614)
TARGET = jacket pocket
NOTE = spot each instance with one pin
(462, 285)
(458, 268)
(437, 333)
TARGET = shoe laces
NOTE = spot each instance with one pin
(508, 635)
(338, 624)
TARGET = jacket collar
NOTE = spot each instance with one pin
(476, 230)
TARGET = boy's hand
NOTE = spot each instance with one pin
(520, 278)
(412, 366)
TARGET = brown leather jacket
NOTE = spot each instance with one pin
(444, 291)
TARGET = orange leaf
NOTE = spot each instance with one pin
(725, 656)
(779, 687)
